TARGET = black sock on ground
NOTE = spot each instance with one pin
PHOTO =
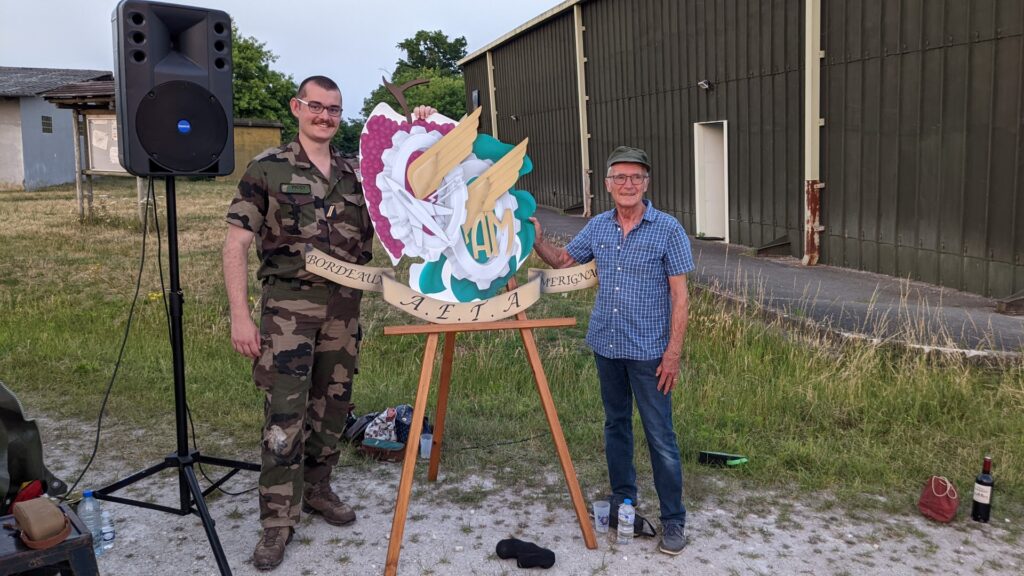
(542, 558)
(509, 548)
(527, 554)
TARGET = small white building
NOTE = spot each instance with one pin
(36, 141)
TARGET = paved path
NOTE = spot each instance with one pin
(851, 301)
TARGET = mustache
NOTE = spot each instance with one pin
(328, 122)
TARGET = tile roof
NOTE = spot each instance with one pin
(90, 88)
(16, 82)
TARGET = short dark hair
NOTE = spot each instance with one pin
(321, 81)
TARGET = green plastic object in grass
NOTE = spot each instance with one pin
(721, 459)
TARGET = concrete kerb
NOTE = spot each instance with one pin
(560, 229)
(985, 358)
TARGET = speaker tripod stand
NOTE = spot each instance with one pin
(191, 496)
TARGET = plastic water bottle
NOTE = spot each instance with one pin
(91, 515)
(107, 529)
(627, 516)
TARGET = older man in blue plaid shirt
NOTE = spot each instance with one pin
(636, 330)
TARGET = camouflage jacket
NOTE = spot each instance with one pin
(286, 201)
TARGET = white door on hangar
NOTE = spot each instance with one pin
(711, 176)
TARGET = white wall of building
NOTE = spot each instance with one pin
(12, 165)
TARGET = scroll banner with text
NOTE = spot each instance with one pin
(439, 311)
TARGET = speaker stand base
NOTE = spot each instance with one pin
(192, 498)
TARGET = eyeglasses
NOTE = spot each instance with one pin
(636, 179)
(317, 107)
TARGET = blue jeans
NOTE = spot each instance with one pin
(621, 381)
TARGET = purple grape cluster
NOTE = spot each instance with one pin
(372, 143)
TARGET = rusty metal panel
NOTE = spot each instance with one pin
(536, 97)
(922, 145)
(475, 75)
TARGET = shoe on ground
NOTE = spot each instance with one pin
(270, 549)
(321, 499)
(673, 540)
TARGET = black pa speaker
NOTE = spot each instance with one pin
(173, 89)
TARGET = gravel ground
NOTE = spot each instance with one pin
(731, 531)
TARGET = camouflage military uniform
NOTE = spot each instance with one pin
(309, 328)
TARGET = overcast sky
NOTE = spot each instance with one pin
(348, 40)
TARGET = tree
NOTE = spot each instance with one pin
(347, 138)
(260, 91)
(445, 92)
(264, 93)
(433, 56)
(432, 50)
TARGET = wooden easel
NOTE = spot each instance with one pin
(450, 331)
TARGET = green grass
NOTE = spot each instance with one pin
(848, 417)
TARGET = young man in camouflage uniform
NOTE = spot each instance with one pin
(306, 348)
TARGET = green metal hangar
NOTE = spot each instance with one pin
(880, 135)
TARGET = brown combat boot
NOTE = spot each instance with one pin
(320, 499)
(269, 550)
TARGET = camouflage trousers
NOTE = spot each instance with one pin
(309, 351)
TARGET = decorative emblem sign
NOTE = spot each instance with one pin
(442, 194)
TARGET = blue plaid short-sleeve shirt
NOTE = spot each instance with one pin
(632, 314)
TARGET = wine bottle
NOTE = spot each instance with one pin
(981, 508)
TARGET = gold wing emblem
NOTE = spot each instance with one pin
(486, 189)
(426, 172)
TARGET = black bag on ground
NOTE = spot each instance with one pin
(356, 430)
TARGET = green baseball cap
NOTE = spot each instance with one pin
(629, 154)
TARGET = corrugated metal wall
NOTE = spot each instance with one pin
(645, 58)
(536, 97)
(475, 75)
(922, 142)
(921, 150)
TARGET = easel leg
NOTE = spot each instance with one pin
(442, 404)
(556, 433)
(409, 463)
